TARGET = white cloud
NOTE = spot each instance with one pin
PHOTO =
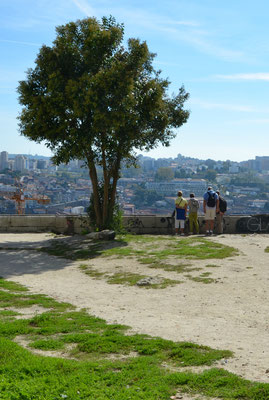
(221, 106)
(260, 121)
(20, 42)
(84, 7)
(258, 76)
(185, 31)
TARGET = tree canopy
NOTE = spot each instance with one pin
(93, 99)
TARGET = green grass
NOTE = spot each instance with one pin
(128, 278)
(142, 246)
(124, 278)
(48, 344)
(137, 373)
(9, 285)
(93, 273)
(203, 278)
(266, 249)
(156, 264)
(187, 248)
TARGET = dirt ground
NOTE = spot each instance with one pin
(232, 313)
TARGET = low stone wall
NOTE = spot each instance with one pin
(146, 224)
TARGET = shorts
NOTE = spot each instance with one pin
(210, 213)
(180, 222)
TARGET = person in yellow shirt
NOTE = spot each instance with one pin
(181, 212)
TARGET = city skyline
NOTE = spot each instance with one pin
(219, 52)
(5, 157)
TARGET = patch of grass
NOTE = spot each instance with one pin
(130, 279)
(23, 300)
(165, 282)
(203, 278)
(125, 278)
(197, 248)
(179, 268)
(28, 376)
(190, 248)
(12, 286)
(8, 313)
(48, 344)
(266, 249)
(93, 273)
(212, 266)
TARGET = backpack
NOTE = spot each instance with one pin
(211, 201)
(195, 205)
(222, 205)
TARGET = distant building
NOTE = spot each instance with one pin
(198, 186)
(42, 164)
(20, 163)
(32, 164)
(262, 163)
(4, 160)
(234, 169)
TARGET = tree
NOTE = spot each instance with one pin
(89, 98)
(165, 174)
(210, 175)
(144, 197)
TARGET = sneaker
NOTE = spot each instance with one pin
(207, 233)
(210, 233)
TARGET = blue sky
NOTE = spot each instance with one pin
(218, 50)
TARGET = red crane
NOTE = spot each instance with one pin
(20, 199)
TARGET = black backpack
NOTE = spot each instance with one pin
(211, 201)
(222, 205)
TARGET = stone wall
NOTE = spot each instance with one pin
(146, 224)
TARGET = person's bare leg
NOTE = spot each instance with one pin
(207, 226)
(211, 225)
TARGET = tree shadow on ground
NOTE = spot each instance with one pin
(22, 256)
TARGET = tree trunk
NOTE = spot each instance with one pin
(115, 177)
(106, 190)
(96, 199)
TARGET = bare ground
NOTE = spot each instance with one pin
(232, 313)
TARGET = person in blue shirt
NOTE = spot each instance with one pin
(211, 207)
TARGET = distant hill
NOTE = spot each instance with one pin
(30, 156)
